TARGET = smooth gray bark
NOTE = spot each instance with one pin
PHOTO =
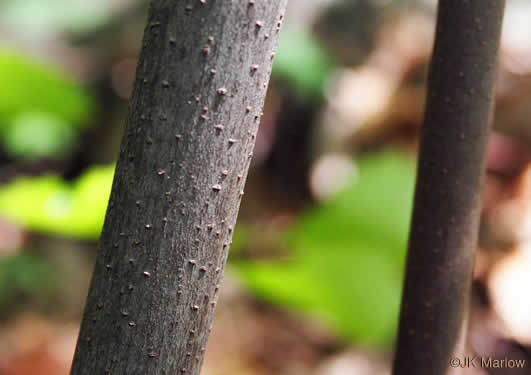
(445, 222)
(200, 86)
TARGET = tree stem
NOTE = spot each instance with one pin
(444, 229)
(200, 86)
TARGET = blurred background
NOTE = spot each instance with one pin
(316, 268)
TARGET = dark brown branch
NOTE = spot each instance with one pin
(200, 87)
(444, 228)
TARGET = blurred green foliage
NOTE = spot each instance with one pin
(25, 275)
(302, 62)
(49, 204)
(38, 135)
(41, 111)
(346, 256)
(54, 16)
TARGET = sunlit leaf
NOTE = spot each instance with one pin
(48, 204)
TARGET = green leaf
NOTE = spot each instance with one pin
(38, 135)
(301, 61)
(90, 195)
(346, 256)
(48, 204)
(22, 274)
(28, 86)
